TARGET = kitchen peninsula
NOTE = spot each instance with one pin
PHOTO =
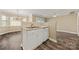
(33, 37)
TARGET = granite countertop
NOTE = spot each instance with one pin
(5, 30)
(34, 28)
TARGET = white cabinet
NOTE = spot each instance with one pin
(33, 38)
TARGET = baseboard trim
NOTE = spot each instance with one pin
(53, 40)
(67, 32)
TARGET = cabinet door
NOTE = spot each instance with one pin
(33, 38)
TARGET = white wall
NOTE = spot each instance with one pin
(78, 24)
(67, 23)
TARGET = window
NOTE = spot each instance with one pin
(3, 21)
(14, 22)
(40, 20)
(9, 21)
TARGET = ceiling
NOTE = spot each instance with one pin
(39, 12)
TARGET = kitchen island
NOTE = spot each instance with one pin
(33, 37)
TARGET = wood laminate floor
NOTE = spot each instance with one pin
(66, 41)
(10, 41)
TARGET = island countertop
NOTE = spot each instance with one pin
(34, 37)
(5, 30)
(33, 28)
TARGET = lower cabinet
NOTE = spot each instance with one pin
(33, 38)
